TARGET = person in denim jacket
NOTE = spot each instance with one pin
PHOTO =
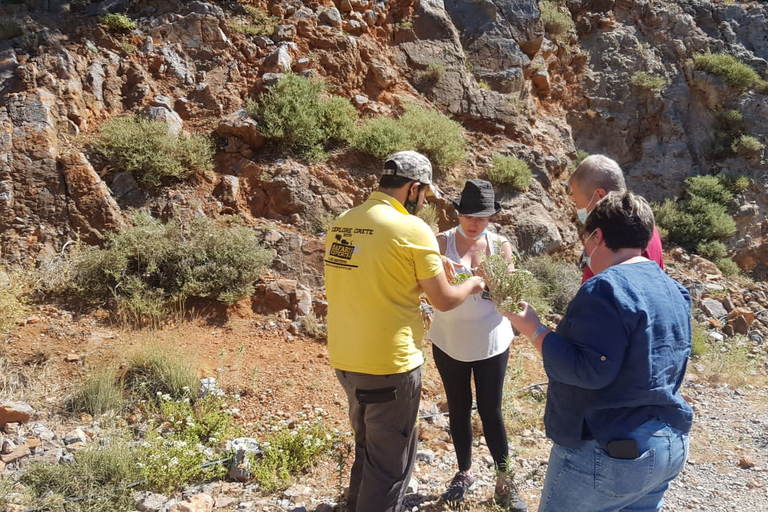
(615, 365)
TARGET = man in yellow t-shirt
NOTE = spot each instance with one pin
(379, 258)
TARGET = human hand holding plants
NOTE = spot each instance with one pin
(527, 322)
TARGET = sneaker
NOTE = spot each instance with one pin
(506, 496)
(461, 484)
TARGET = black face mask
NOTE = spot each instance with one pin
(410, 206)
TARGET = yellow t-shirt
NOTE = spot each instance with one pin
(374, 256)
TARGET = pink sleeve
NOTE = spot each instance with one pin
(653, 251)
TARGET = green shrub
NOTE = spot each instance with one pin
(99, 476)
(510, 170)
(290, 452)
(337, 117)
(648, 81)
(312, 327)
(429, 132)
(727, 266)
(580, 156)
(293, 115)
(747, 145)
(556, 19)
(712, 250)
(10, 28)
(155, 371)
(509, 288)
(435, 72)
(181, 437)
(696, 219)
(258, 24)
(380, 137)
(729, 125)
(118, 23)
(150, 266)
(735, 184)
(99, 394)
(709, 188)
(699, 344)
(560, 279)
(734, 72)
(147, 150)
(434, 134)
(429, 215)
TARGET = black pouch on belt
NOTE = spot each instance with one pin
(376, 396)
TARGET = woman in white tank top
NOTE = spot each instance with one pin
(473, 340)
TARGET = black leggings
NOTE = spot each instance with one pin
(489, 385)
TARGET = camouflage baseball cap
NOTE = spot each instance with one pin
(411, 165)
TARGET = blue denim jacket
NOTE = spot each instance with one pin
(619, 356)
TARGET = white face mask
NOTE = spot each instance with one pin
(588, 259)
(467, 236)
(582, 213)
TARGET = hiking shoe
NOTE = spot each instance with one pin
(461, 484)
(506, 496)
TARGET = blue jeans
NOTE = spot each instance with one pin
(588, 479)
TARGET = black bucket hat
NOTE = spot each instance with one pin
(477, 199)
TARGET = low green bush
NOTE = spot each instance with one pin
(151, 266)
(747, 145)
(97, 479)
(379, 137)
(118, 23)
(510, 170)
(560, 279)
(294, 116)
(735, 184)
(727, 266)
(708, 187)
(259, 23)
(649, 82)
(155, 371)
(147, 150)
(699, 344)
(712, 250)
(290, 452)
(429, 132)
(729, 125)
(438, 137)
(98, 394)
(557, 21)
(181, 437)
(435, 72)
(734, 72)
(700, 217)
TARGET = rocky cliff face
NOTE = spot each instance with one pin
(518, 90)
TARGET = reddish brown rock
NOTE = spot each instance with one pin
(14, 412)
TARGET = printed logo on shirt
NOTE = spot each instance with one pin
(341, 251)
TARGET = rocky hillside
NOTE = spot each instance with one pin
(520, 82)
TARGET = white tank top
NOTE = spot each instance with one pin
(474, 330)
